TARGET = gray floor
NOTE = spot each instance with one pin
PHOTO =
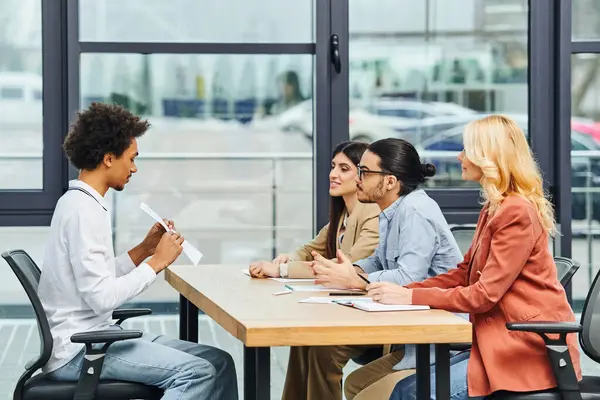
(22, 344)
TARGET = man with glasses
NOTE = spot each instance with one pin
(415, 242)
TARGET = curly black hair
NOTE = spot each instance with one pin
(101, 129)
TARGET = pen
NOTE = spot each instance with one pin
(283, 292)
(346, 293)
(363, 278)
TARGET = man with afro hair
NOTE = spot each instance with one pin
(82, 281)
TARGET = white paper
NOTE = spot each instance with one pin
(190, 251)
(330, 300)
(372, 306)
(282, 280)
(317, 288)
(154, 215)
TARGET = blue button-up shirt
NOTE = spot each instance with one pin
(415, 242)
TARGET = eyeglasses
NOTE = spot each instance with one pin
(362, 172)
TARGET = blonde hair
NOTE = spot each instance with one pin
(498, 146)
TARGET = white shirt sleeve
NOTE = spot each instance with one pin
(123, 265)
(95, 270)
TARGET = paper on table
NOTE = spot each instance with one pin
(282, 280)
(367, 304)
(193, 253)
(317, 288)
(330, 300)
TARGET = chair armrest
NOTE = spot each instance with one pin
(94, 357)
(105, 336)
(557, 351)
(541, 327)
(126, 313)
(460, 346)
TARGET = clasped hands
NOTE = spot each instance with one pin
(341, 274)
(338, 273)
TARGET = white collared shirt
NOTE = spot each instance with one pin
(82, 281)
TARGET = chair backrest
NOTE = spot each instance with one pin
(590, 320)
(463, 234)
(29, 274)
(565, 268)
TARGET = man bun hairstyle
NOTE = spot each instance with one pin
(428, 170)
(400, 158)
(99, 130)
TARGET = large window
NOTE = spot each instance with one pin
(228, 155)
(31, 167)
(585, 167)
(423, 73)
(21, 95)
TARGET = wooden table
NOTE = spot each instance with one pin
(247, 309)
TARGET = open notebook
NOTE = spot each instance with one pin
(367, 304)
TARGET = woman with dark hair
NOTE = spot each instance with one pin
(356, 232)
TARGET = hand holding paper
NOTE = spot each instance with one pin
(190, 251)
(154, 235)
(167, 251)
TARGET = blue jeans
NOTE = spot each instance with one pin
(184, 370)
(406, 389)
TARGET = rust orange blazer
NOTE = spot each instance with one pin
(508, 275)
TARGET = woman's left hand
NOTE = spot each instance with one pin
(389, 293)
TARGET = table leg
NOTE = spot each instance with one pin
(183, 322)
(442, 372)
(192, 327)
(188, 320)
(257, 373)
(423, 373)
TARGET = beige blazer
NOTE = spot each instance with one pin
(360, 239)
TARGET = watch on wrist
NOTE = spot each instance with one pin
(283, 270)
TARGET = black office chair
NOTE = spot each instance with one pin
(558, 356)
(565, 268)
(40, 387)
(463, 234)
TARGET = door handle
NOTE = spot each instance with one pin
(335, 53)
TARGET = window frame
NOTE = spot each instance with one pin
(34, 207)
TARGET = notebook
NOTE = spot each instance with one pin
(369, 305)
(317, 288)
(324, 300)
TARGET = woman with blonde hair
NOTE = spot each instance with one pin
(508, 274)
